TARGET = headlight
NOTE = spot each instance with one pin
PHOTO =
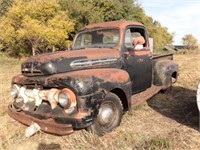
(15, 90)
(67, 98)
(63, 99)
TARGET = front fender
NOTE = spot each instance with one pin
(91, 86)
(85, 82)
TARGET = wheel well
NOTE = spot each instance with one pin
(174, 74)
(121, 94)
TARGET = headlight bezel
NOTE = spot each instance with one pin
(15, 90)
(63, 100)
(70, 98)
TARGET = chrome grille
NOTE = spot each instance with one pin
(29, 70)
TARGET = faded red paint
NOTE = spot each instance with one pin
(137, 99)
(118, 24)
(140, 52)
(19, 78)
(88, 52)
(47, 125)
(137, 53)
(107, 74)
(72, 97)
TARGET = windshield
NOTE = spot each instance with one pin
(97, 38)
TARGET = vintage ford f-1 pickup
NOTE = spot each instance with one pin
(109, 70)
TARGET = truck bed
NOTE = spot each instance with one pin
(166, 56)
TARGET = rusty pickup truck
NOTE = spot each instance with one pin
(109, 70)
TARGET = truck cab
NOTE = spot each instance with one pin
(109, 70)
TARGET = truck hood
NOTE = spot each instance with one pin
(65, 61)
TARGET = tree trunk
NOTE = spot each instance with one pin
(33, 50)
(54, 48)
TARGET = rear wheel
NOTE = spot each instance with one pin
(109, 116)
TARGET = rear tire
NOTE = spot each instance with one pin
(109, 116)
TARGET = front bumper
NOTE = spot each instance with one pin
(46, 125)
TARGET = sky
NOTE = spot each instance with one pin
(179, 16)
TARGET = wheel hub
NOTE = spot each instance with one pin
(106, 114)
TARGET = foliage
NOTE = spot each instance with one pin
(44, 25)
(87, 12)
(190, 41)
(39, 24)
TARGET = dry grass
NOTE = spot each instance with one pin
(167, 121)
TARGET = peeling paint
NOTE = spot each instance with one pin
(82, 79)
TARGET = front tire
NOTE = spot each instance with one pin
(109, 116)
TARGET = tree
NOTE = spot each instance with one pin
(189, 41)
(155, 30)
(87, 12)
(41, 24)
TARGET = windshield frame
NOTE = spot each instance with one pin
(96, 29)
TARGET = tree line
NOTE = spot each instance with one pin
(28, 27)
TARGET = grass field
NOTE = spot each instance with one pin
(167, 121)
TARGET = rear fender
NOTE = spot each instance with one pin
(164, 70)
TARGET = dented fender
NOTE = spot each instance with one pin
(85, 82)
(163, 72)
(96, 82)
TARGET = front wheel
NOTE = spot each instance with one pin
(109, 116)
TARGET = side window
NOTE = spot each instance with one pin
(135, 37)
(128, 41)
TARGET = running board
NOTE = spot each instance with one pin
(137, 99)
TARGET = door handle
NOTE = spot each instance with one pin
(151, 57)
(139, 60)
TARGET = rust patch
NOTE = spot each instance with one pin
(107, 74)
(19, 78)
(137, 99)
(88, 52)
(72, 97)
(140, 52)
(47, 125)
(117, 24)
(137, 53)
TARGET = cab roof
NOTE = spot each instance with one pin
(118, 24)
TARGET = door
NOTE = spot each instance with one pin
(137, 58)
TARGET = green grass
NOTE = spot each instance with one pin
(158, 143)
